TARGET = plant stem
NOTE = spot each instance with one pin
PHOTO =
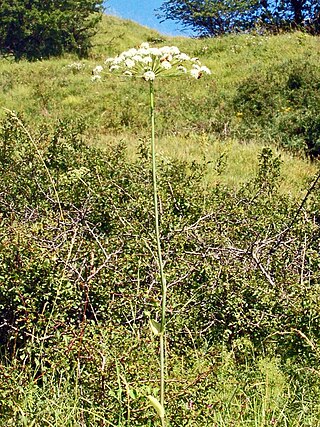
(160, 262)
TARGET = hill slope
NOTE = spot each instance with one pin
(191, 118)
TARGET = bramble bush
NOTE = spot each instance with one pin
(96, 222)
(78, 267)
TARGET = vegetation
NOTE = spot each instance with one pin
(40, 29)
(216, 17)
(239, 222)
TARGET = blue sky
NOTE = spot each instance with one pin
(142, 11)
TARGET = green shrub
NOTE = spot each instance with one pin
(82, 228)
(78, 278)
(40, 29)
(283, 103)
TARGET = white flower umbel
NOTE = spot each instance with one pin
(205, 69)
(97, 70)
(194, 72)
(96, 73)
(150, 63)
(129, 63)
(144, 45)
(149, 76)
(96, 77)
(166, 65)
(197, 71)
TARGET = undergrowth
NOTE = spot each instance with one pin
(77, 288)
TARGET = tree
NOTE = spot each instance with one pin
(298, 14)
(211, 17)
(37, 29)
(214, 17)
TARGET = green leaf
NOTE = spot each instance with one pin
(157, 406)
(133, 393)
(155, 327)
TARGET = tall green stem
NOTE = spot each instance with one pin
(160, 262)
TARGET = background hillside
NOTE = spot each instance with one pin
(239, 215)
(248, 99)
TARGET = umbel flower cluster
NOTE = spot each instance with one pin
(150, 62)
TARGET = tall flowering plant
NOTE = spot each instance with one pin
(150, 63)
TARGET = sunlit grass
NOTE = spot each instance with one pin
(228, 162)
(44, 92)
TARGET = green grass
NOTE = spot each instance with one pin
(204, 389)
(229, 162)
(191, 118)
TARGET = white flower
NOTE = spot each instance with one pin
(128, 73)
(183, 57)
(114, 67)
(130, 52)
(165, 50)
(166, 57)
(137, 58)
(147, 60)
(205, 69)
(149, 76)
(142, 51)
(155, 51)
(108, 60)
(129, 63)
(144, 45)
(118, 59)
(174, 50)
(96, 77)
(166, 65)
(182, 68)
(195, 73)
(198, 71)
(97, 69)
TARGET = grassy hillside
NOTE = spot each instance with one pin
(191, 117)
(239, 219)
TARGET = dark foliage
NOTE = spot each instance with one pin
(77, 244)
(216, 17)
(43, 28)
